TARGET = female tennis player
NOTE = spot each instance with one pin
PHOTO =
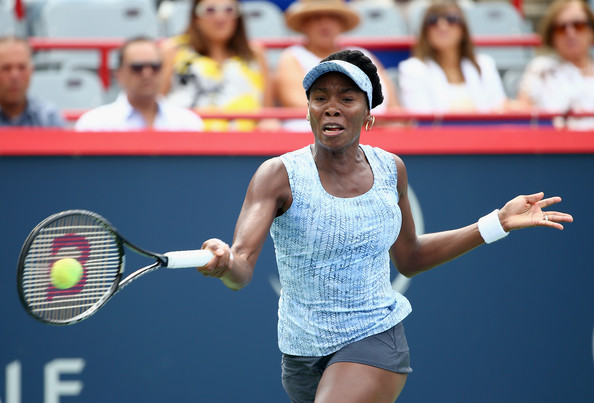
(338, 211)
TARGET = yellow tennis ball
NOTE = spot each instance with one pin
(66, 273)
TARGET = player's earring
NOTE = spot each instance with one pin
(308, 116)
(372, 120)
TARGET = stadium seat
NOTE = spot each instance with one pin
(263, 19)
(9, 24)
(511, 80)
(68, 89)
(414, 16)
(93, 19)
(392, 73)
(173, 17)
(501, 19)
(378, 20)
(34, 8)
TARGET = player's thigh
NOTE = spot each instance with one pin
(346, 382)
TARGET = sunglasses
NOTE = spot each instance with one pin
(578, 26)
(139, 67)
(210, 10)
(451, 19)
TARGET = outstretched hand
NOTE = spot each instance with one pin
(528, 211)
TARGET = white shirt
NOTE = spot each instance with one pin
(121, 116)
(556, 85)
(424, 86)
(460, 98)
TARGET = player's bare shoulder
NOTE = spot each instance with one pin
(271, 180)
(273, 169)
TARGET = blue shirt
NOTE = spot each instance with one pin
(333, 258)
(37, 113)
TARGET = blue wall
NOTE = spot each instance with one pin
(512, 321)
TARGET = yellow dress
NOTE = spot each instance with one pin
(236, 85)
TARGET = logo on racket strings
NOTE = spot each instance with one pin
(82, 246)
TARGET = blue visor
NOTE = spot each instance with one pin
(350, 70)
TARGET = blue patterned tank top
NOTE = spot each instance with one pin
(333, 260)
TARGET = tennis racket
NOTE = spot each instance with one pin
(96, 244)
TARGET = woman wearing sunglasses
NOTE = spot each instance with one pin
(213, 66)
(445, 74)
(563, 80)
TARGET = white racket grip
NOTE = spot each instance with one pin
(188, 258)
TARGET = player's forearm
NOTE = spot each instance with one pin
(435, 249)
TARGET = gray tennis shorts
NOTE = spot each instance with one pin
(387, 350)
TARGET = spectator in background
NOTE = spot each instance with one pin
(563, 80)
(321, 22)
(445, 74)
(213, 67)
(16, 107)
(139, 106)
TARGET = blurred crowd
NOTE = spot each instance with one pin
(213, 65)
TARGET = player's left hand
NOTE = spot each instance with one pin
(528, 211)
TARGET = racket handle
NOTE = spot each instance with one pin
(188, 258)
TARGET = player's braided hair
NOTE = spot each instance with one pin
(357, 58)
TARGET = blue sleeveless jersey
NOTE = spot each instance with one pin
(333, 260)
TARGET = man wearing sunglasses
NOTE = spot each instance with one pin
(139, 105)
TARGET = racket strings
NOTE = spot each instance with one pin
(94, 246)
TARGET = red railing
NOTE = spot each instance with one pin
(105, 46)
(533, 117)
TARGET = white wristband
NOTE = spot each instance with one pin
(490, 227)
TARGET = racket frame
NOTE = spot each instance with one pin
(118, 283)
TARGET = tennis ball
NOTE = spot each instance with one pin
(66, 273)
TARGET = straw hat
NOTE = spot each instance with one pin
(302, 9)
